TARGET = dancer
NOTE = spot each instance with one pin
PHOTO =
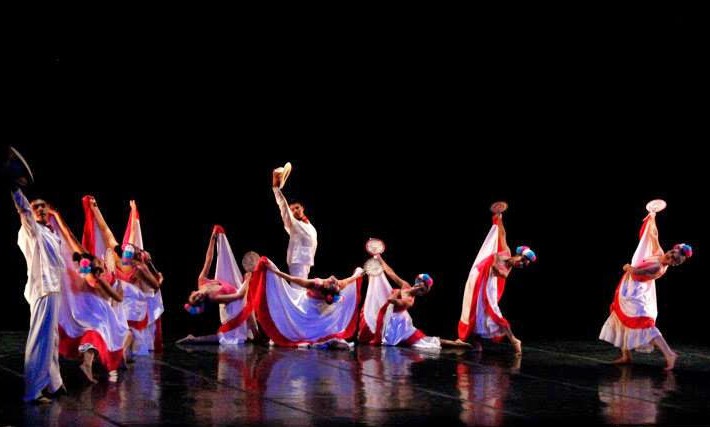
(150, 338)
(228, 289)
(631, 325)
(322, 313)
(41, 246)
(385, 319)
(139, 279)
(480, 315)
(92, 324)
(303, 238)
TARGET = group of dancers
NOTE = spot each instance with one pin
(295, 310)
(99, 300)
(94, 300)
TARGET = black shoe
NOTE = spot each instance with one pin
(61, 391)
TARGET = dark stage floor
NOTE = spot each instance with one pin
(554, 382)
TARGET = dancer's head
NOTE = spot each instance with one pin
(678, 255)
(330, 284)
(88, 263)
(195, 303)
(194, 309)
(297, 209)
(40, 210)
(523, 257)
(330, 289)
(422, 285)
(127, 253)
(196, 297)
(250, 260)
(131, 255)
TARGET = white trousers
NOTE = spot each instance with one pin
(42, 349)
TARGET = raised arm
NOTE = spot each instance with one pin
(103, 227)
(502, 242)
(134, 221)
(202, 278)
(67, 233)
(398, 281)
(653, 232)
(25, 211)
(286, 214)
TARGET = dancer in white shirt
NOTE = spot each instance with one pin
(303, 238)
(41, 246)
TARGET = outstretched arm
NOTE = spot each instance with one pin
(344, 283)
(306, 283)
(398, 281)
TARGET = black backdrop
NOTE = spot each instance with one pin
(406, 131)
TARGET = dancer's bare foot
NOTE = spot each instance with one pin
(460, 343)
(517, 346)
(339, 345)
(623, 360)
(463, 344)
(186, 340)
(87, 372)
(113, 376)
(670, 362)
